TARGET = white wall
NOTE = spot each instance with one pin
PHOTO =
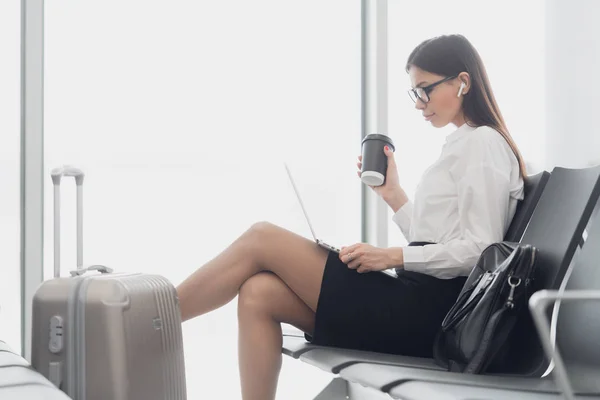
(10, 86)
(573, 82)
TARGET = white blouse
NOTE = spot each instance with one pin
(464, 202)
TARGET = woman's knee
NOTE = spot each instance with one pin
(252, 238)
(257, 237)
(257, 293)
(261, 230)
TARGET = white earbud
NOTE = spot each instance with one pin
(462, 86)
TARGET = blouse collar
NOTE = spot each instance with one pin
(460, 132)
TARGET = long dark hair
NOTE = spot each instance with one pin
(449, 55)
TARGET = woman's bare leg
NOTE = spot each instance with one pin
(264, 302)
(297, 261)
(289, 293)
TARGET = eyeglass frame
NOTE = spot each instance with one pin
(427, 89)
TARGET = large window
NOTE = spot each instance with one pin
(182, 114)
(10, 309)
(509, 36)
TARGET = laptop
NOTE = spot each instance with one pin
(317, 241)
(321, 243)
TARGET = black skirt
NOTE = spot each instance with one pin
(374, 311)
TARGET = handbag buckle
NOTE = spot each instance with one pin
(513, 285)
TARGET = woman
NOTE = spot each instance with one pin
(464, 202)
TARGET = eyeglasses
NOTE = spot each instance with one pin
(422, 93)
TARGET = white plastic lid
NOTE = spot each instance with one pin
(372, 178)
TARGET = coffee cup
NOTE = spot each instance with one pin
(374, 160)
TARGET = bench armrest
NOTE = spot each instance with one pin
(538, 304)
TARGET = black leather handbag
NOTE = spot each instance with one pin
(474, 333)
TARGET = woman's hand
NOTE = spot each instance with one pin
(390, 191)
(366, 258)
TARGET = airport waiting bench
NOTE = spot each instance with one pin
(18, 380)
(556, 227)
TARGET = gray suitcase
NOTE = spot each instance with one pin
(99, 335)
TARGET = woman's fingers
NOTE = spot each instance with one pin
(348, 249)
(360, 158)
(390, 155)
(353, 265)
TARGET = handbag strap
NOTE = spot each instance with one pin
(483, 353)
(463, 305)
(439, 345)
(459, 309)
(439, 350)
(441, 357)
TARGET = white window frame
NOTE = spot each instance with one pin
(32, 161)
(374, 210)
(374, 119)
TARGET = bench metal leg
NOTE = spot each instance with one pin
(340, 389)
(337, 389)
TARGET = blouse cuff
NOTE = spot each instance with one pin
(414, 259)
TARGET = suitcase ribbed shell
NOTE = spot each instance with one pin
(122, 337)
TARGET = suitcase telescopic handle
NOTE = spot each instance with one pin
(67, 170)
(57, 174)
